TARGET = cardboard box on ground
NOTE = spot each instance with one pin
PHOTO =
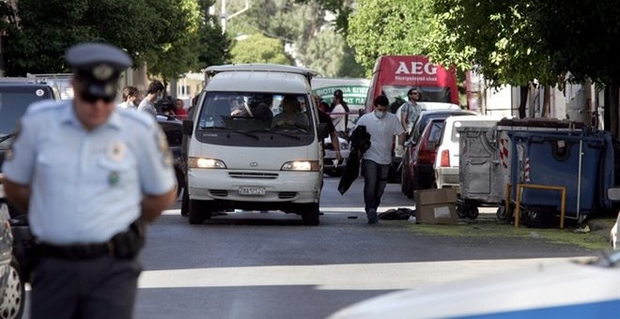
(436, 206)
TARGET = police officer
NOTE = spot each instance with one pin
(89, 176)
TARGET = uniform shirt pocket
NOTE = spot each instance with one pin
(117, 171)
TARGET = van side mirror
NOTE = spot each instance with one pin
(188, 127)
(613, 193)
(322, 130)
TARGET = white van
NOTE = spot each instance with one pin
(245, 153)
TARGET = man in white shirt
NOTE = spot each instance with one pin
(153, 94)
(382, 126)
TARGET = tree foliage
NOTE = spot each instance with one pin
(302, 26)
(171, 36)
(258, 48)
(381, 27)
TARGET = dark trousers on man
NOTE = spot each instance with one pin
(98, 288)
(375, 179)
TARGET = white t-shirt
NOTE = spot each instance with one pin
(339, 119)
(382, 133)
(147, 107)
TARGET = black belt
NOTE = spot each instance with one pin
(85, 251)
(124, 245)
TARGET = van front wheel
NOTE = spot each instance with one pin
(199, 211)
(310, 214)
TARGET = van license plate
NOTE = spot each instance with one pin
(252, 191)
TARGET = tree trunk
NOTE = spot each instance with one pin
(523, 100)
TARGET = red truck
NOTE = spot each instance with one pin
(394, 75)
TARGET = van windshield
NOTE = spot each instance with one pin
(256, 119)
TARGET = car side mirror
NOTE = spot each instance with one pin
(613, 193)
(188, 127)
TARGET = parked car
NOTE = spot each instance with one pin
(414, 138)
(553, 289)
(173, 129)
(418, 159)
(330, 166)
(447, 160)
(12, 278)
(16, 94)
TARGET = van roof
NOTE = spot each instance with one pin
(276, 82)
(261, 67)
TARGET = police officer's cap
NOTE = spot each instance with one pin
(98, 66)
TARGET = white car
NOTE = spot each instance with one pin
(556, 289)
(331, 166)
(447, 159)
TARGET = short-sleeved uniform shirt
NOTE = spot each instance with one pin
(87, 186)
(382, 131)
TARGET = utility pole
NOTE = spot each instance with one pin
(225, 17)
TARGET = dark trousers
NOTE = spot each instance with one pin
(375, 179)
(98, 288)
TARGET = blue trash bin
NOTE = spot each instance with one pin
(570, 161)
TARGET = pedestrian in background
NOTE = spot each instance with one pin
(339, 114)
(154, 93)
(410, 110)
(382, 126)
(131, 98)
(89, 176)
(331, 130)
(179, 111)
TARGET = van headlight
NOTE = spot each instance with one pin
(303, 166)
(201, 162)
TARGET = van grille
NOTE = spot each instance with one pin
(253, 175)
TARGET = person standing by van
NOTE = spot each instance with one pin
(339, 114)
(131, 98)
(153, 94)
(382, 126)
(410, 110)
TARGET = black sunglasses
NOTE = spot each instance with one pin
(93, 98)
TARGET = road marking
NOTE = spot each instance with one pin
(376, 276)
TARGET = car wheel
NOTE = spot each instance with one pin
(198, 212)
(310, 214)
(14, 299)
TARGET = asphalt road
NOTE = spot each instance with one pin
(268, 265)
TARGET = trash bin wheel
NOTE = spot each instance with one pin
(502, 213)
(472, 212)
(461, 211)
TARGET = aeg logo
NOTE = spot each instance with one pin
(416, 68)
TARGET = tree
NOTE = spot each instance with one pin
(301, 25)
(215, 45)
(37, 40)
(175, 47)
(258, 48)
(388, 27)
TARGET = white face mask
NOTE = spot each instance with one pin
(379, 114)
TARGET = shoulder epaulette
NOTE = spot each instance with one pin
(45, 105)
